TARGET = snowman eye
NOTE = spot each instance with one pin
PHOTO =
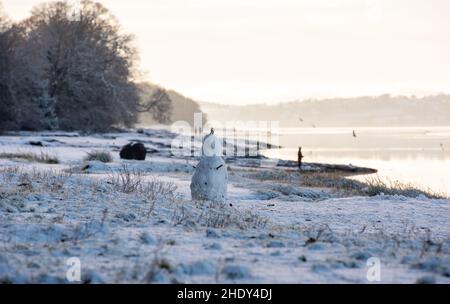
(219, 167)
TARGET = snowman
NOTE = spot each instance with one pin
(209, 181)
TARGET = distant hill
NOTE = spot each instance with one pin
(383, 110)
(183, 108)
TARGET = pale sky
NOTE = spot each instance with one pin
(252, 51)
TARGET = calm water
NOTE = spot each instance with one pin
(416, 155)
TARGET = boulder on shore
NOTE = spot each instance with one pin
(135, 151)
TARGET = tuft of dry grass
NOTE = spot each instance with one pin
(332, 180)
(157, 265)
(9, 173)
(370, 187)
(376, 185)
(131, 181)
(19, 181)
(28, 180)
(96, 155)
(279, 175)
(40, 158)
(341, 184)
(126, 180)
(216, 215)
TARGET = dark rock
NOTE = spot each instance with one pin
(212, 233)
(236, 272)
(127, 152)
(36, 143)
(362, 255)
(52, 140)
(275, 244)
(426, 280)
(92, 277)
(214, 246)
(135, 151)
(139, 151)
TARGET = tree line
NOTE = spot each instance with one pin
(71, 68)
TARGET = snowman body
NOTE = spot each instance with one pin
(210, 178)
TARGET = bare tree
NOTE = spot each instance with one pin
(158, 105)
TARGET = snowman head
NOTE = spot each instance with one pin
(212, 146)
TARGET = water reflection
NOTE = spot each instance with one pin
(420, 156)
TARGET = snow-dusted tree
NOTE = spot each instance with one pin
(159, 105)
(47, 106)
(7, 113)
(78, 71)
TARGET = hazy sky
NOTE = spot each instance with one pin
(237, 51)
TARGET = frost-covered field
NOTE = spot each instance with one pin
(134, 221)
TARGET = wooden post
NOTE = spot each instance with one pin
(247, 143)
(235, 142)
(299, 157)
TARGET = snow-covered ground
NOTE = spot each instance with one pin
(134, 221)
